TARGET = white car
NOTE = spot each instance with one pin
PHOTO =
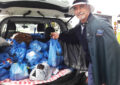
(40, 17)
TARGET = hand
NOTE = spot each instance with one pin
(54, 35)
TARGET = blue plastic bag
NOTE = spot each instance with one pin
(18, 51)
(45, 54)
(35, 46)
(55, 57)
(4, 74)
(22, 44)
(38, 36)
(18, 71)
(44, 46)
(4, 56)
(20, 54)
(5, 64)
(33, 57)
(5, 60)
(58, 48)
(38, 46)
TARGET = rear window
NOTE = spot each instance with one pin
(32, 28)
(8, 30)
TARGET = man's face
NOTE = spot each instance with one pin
(82, 11)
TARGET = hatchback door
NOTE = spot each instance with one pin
(52, 8)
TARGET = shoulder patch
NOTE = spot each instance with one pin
(99, 32)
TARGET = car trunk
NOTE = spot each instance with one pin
(25, 17)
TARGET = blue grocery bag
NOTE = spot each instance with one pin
(5, 60)
(38, 46)
(20, 54)
(18, 71)
(55, 57)
(35, 46)
(4, 74)
(33, 57)
(18, 51)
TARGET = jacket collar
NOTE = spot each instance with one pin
(90, 18)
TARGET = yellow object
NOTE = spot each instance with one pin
(28, 67)
(118, 36)
(53, 24)
(115, 23)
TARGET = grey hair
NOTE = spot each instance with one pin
(91, 8)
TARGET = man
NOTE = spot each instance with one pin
(98, 41)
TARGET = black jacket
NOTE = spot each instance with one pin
(74, 54)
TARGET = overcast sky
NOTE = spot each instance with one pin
(111, 7)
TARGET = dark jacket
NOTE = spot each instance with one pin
(103, 47)
(74, 54)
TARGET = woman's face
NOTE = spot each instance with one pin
(82, 11)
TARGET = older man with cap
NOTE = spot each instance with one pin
(98, 41)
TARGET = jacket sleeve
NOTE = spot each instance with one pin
(69, 36)
(106, 57)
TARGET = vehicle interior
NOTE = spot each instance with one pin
(31, 25)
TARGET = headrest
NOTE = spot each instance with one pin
(48, 31)
(41, 27)
(11, 25)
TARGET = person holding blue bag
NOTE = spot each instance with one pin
(99, 43)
